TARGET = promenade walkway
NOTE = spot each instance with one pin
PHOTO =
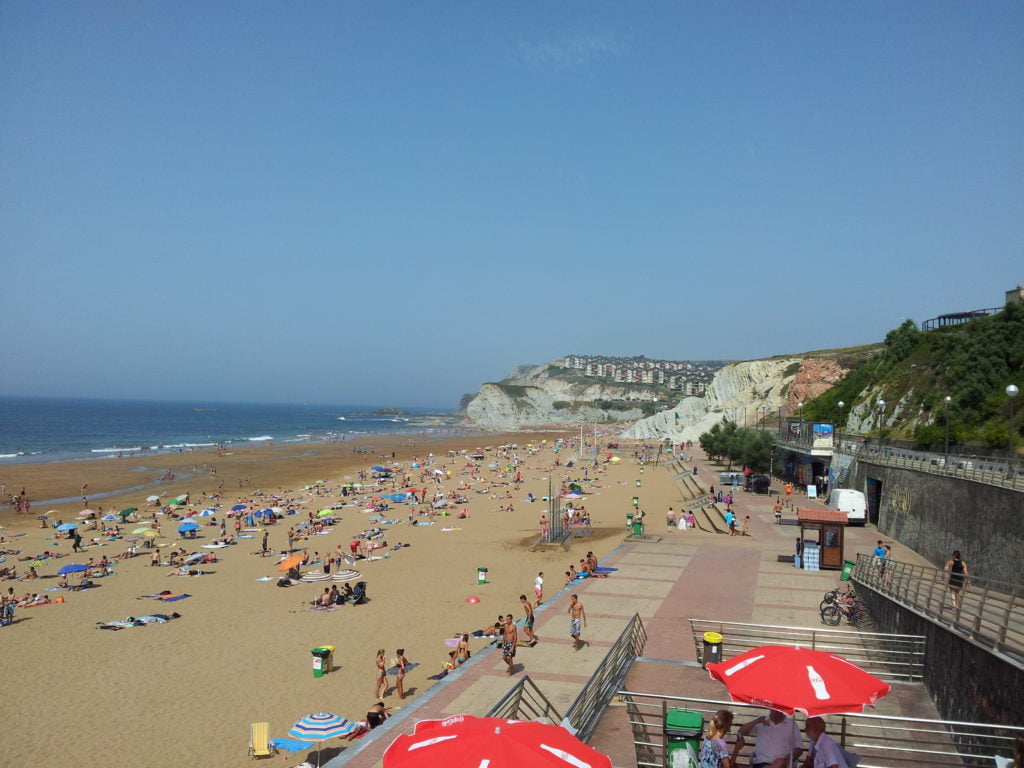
(692, 574)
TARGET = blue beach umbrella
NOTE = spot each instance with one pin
(399, 496)
(185, 527)
(208, 513)
(67, 527)
(320, 727)
(239, 507)
(110, 518)
(72, 568)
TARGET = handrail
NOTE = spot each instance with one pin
(592, 700)
(1004, 473)
(892, 657)
(987, 612)
(882, 741)
(525, 701)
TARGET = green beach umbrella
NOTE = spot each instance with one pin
(129, 510)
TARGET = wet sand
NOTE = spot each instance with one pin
(185, 692)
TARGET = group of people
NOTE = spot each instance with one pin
(778, 743)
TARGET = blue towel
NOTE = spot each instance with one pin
(292, 745)
(603, 569)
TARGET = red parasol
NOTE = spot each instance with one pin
(798, 679)
(463, 741)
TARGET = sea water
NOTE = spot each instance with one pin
(60, 429)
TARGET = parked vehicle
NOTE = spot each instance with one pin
(727, 478)
(852, 503)
(759, 483)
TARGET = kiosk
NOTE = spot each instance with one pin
(830, 525)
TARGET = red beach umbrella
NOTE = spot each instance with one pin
(463, 741)
(798, 680)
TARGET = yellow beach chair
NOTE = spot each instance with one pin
(259, 741)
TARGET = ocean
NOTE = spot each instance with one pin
(60, 429)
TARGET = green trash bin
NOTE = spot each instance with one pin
(629, 521)
(481, 575)
(848, 566)
(638, 528)
(322, 660)
(682, 728)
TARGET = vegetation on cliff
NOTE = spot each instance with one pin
(971, 364)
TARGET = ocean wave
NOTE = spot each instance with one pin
(191, 445)
(115, 450)
(10, 455)
(257, 439)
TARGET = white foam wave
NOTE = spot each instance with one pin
(257, 439)
(115, 450)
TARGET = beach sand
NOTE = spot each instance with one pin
(185, 692)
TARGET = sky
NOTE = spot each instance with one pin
(393, 202)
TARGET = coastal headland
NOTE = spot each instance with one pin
(185, 692)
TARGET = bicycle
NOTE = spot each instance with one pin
(833, 595)
(848, 607)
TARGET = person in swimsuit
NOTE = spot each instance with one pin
(531, 636)
(462, 653)
(509, 640)
(957, 569)
(576, 615)
(401, 662)
(380, 689)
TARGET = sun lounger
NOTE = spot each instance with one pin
(259, 741)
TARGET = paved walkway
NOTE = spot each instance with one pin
(692, 574)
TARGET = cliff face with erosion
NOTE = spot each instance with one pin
(538, 395)
(742, 393)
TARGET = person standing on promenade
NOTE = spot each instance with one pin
(381, 688)
(778, 740)
(778, 512)
(957, 570)
(714, 752)
(538, 587)
(509, 641)
(531, 636)
(577, 614)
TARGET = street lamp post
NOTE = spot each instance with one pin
(945, 410)
(1011, 392)
(841, 405)
(881, 412)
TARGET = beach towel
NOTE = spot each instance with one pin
(603, 569)
(394, 670)
(292, 745)
(442, 674)
(447, 530)
(265, 578)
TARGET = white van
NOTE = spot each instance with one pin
(851, 502)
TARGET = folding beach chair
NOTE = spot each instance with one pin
(259, 741)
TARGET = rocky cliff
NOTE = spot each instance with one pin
(744, 393)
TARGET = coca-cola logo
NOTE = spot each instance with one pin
(453, 720)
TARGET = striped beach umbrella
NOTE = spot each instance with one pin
(320, 727)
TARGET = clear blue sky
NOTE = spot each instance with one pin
(392, 202)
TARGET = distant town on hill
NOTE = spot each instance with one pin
(689, 377)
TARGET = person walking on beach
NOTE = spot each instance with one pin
(957, 570)
(531, 636)
(577, 614)
(509, 641)
(538, 588)
(381, 688)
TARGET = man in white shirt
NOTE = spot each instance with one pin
(824, 753)
(778, 740)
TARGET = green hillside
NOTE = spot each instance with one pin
(972, 364)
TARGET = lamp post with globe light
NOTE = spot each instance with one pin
(1011, 393)
(881, 412)
(945, 410)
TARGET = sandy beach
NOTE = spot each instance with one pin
(185, 692)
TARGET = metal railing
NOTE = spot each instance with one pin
(525, 701)
(989, 613)
(882, 741)
(591, 702)
(895, 658)
(1002, 472)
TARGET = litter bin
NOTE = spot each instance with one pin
(323, 660)
(712, 648)
(682, 730)
(848, 566)
(481, 575)
(638, 527)
(629, 521)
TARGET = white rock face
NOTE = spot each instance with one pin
(736, 394)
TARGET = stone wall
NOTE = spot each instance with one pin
(967, 683)
(933, 515)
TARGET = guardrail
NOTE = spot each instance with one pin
(988, 612)
(525, 701)
(591, 702)
(881, 741)
(894, 658)
(1005, 473)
